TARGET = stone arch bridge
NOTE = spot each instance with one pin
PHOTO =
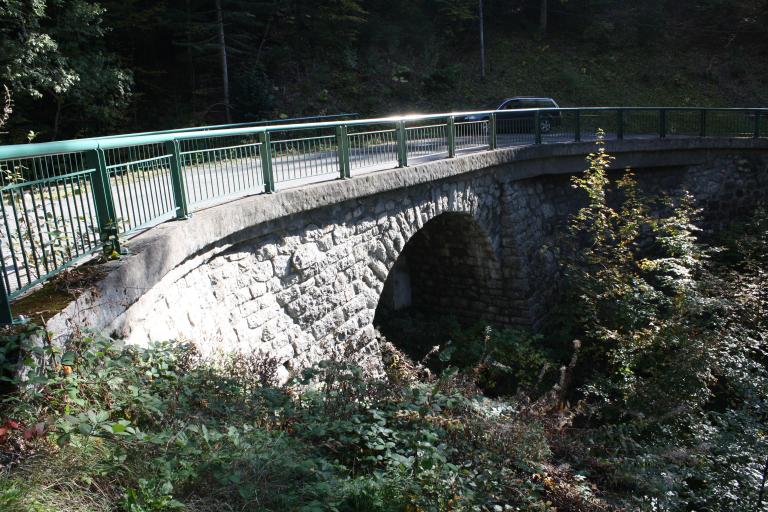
(301, 273)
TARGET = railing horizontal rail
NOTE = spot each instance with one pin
(208, 150)
(230, 125)
(48, 148)
(63, 201)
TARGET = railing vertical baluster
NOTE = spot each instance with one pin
(662, 123)
(537, 127)
(451, 137)
(347, 154)
(177, 179)
(265, 153)
(6, 317)
(342, 144)
(620, 124)
(577, 126)
(492, 142)
(756, 133)
(101, 189)
(402, 145)
(703, 122)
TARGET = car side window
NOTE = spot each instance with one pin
(511, 105)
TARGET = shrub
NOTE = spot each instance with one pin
(673, 414)
(162, 429)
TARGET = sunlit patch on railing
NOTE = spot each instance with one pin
(140, 183)
(427, 140)
(304, 157)
(220, 167)
(373, 149)
(472, 135)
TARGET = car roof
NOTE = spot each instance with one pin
(527, 98)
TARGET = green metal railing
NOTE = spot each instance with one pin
(65, 201)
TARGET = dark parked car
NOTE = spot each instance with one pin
(510, 119)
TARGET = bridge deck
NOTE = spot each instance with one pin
(61, 202)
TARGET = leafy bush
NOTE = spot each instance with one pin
(162, 429)
(503, 361)
(674, 418)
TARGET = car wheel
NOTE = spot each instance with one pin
(545, 125)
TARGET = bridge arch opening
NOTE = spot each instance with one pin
(446, 275)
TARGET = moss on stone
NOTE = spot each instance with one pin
(50, 299)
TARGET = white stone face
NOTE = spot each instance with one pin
(302, 294)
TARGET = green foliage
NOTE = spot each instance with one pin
(53, 53)
(149, 497)
(154, 65)
(162, 429)
(504, 362)
(251, 91)
(675, 417)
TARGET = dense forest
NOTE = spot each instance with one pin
(76, 68)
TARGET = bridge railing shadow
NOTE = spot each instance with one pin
(62, 202)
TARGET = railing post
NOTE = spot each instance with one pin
(177, 179)
(703, 122)
(6, 317)
(101, 189)
(757, 125)
(402, 145)
(662, 123)
(620, 124)
(342, 143)
(451, 127)
(537, 127)
(265, 153)
(492, 141)
(577, 127)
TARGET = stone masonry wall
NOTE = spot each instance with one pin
(310, 288)
(536, 211)
(307, 292)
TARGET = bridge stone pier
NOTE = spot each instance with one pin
(301, 274)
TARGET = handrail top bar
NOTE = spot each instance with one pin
(18, 151)
(221, 126)
(90, 143)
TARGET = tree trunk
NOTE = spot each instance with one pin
(56, 119)
(265, 36)
(543, 17)
(224, 66)
(190, 57)
(482, 42)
